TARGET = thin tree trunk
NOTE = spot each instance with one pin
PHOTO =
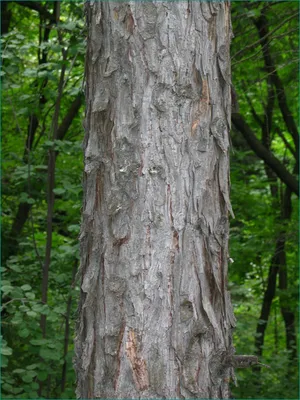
(278, 265)
(155, 314)
(287, 315)
(11, 242)
(67, 329)
(268, 298)
(285, 308)
(262, 26)
(51, 186)
(50, 196)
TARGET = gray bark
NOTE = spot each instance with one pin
(155, 316)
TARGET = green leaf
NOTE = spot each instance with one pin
(52, 345)
(16, 293)
(45, 309)
(17, 390)
(59, 191)
(30, 295)
(7, 387)
(4, 361)
(21, 111)
(61, 278)
(56, 48)
(24, 198)
(32, 366)
(74, 228)
(6, 289)
(7, 54)
(30, 73)
(6, 282)
(49, 354)
(49, 143)
(27, 378)
(24, 333)
(31, 314)
(26, 287)
(69, 26)
(25, 97)
(17, 319)
(52, 317)
(15, 268)
(6, 351)
(33, 395)
(37, 308)
(34, 385)
(31, 373)
(43, 74)
(19, 371)
(24, 308)
(38, 342)
(42, 376)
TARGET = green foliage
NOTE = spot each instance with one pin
(258, 217)
(29, 92)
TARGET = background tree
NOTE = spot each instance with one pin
(266, 46)
(31, 67)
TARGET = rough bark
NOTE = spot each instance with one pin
(155, 316)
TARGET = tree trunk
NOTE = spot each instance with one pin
(155, 314)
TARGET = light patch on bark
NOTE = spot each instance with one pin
(138, 365)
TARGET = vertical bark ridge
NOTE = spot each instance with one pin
(155, 313)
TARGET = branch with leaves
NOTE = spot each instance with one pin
(263, 153)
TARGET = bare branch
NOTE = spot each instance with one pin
(259, 41)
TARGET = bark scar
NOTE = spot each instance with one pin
(121, 335)
(120, 241)
(129, 21)
(138, 364)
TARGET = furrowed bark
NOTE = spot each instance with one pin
(155, 313)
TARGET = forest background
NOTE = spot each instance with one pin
(43, 53)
